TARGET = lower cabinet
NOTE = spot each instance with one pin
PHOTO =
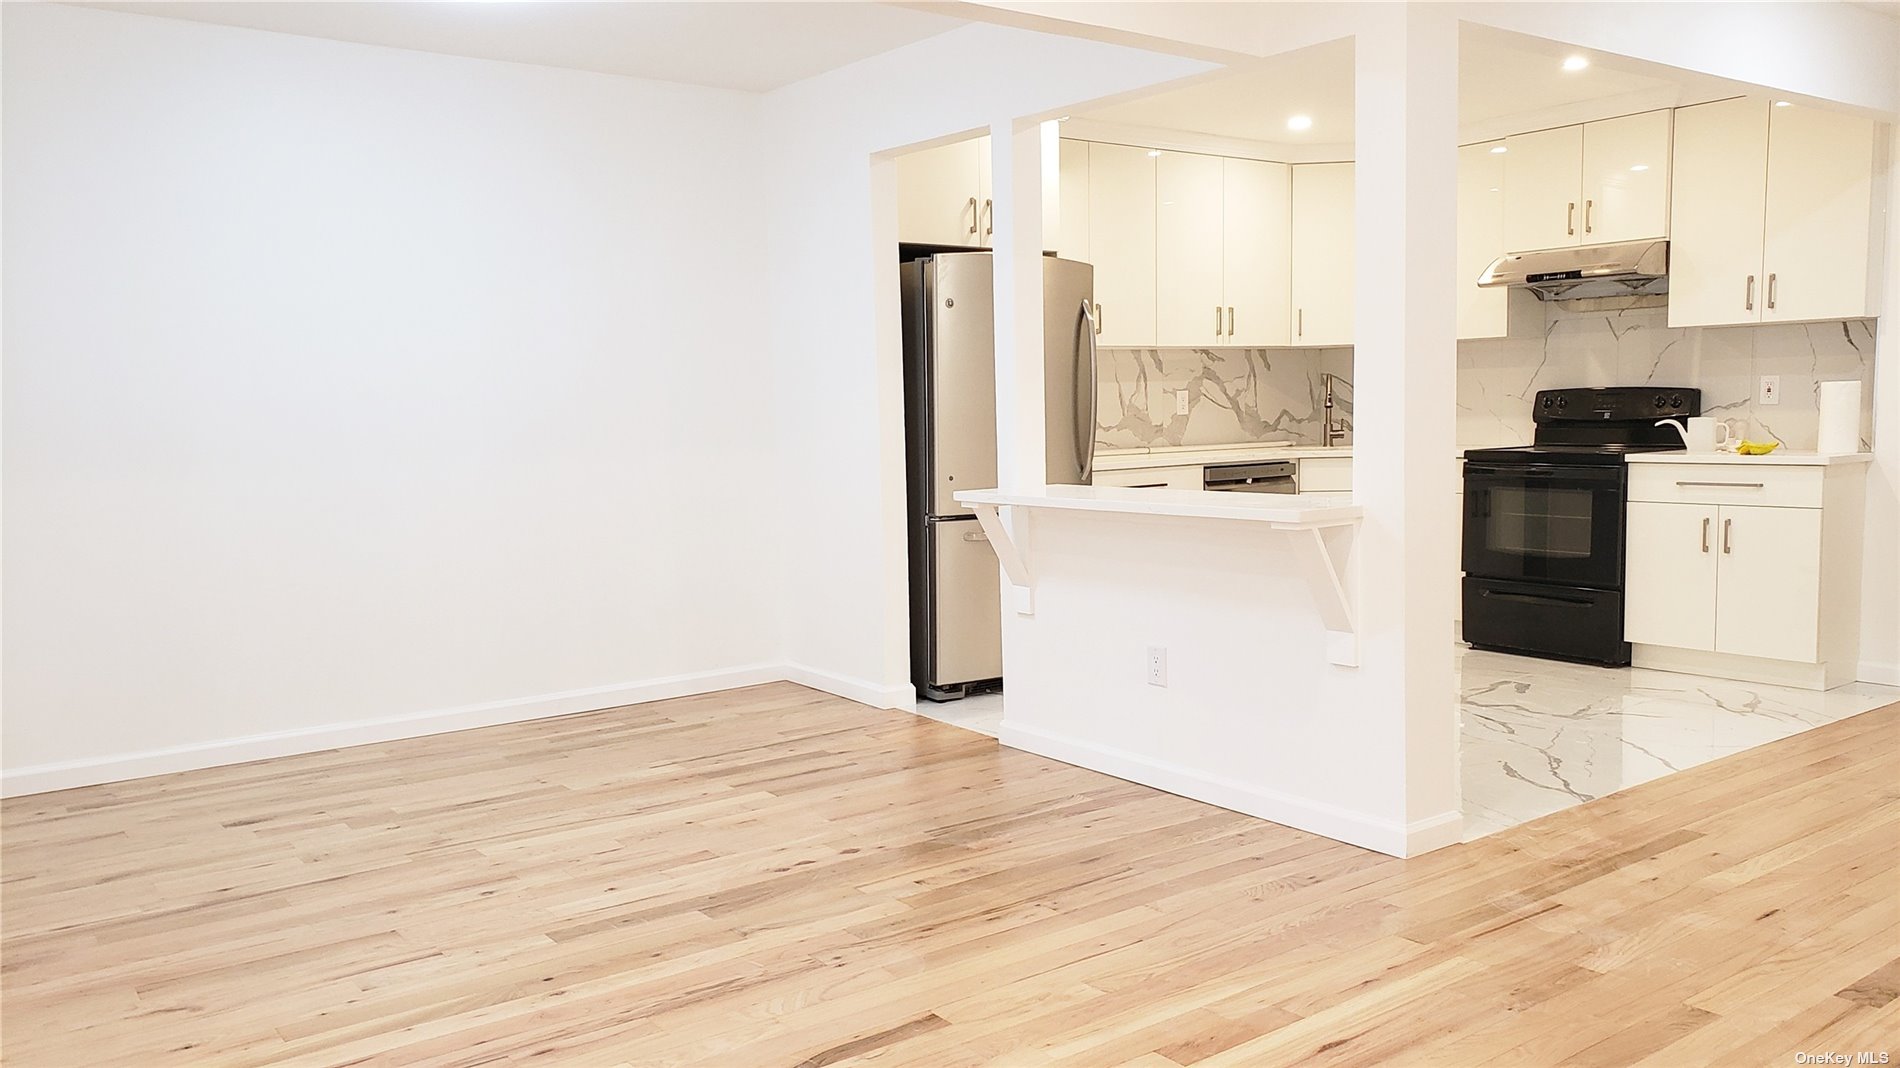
(1745, 573)
(1152, 478)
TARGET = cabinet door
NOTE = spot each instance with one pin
(1481, 312)
(1122, 242)
(1819, 218)
(1322, 254)
(1669, 577)
(1719, 176)
(1188, 237)
(1257, 253)
(1543, 196)
(1625, 178)
(1072, 240)
(1768, 594)
(936, 195)
(985, 204)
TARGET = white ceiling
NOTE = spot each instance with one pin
(748, 46)
(1500, 77)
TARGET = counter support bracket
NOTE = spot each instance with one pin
(1015, 568)
(1323, 566)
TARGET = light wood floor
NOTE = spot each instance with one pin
(776, 877)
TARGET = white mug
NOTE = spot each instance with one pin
(1699, 435)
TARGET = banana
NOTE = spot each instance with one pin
(1756, 448)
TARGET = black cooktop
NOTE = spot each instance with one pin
(1599, 426)
(1605, 455)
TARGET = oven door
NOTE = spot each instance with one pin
(1544, 523)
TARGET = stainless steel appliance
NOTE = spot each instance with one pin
(1273, 476)
(1634, 268)
(1544, 523)
(950, 439)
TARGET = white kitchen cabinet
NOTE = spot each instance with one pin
(1720, 189)
(1626, 178)
(1595, 184)
(939, 193)
(1543, 188)
(1122, 243)
(1072, 237)
(985, 202)
(1669, 591)
(1323, 227)
(1819, 254)
(1257, 254)
(1745, 571)
(1188, 477)
(1189, 235)
(1499, 311)
(1326, 474)
(1816, 181)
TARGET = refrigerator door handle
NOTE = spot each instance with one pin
(1085, 428)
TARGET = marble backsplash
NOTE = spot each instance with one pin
(1628, 342)
(1233, 396)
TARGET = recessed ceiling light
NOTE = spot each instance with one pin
(1498, 150)
(1639, 167)
(1575, 63)
(1154, 152)
(1784, 103)
(1494, 189)
(1063, 118)
(1300, 122)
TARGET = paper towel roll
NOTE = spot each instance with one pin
(1840, 418)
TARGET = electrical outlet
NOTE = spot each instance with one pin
(1181, 402)
(1157, 665)
(1770, 390)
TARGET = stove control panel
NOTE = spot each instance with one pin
(1622, 404)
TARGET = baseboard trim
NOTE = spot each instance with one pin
(44, 778)
(863, 691)
(1877, 672)
(1319, 817)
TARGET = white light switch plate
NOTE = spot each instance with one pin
(1770, 390)
(1181, 402)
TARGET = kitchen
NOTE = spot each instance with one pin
(1220, 338)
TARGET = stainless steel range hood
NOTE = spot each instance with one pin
(1630, 269)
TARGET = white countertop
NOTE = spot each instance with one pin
(1199, 455)
(1284, 509)
(1778, 458)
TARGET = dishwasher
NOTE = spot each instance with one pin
(1273, 476)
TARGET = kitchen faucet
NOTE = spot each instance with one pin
(1331, 430)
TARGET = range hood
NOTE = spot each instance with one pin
(1630, 269)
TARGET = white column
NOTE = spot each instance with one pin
(1880, 566)
(1404, 366)
(1016, 160)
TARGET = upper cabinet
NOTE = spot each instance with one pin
(1121, 243)
(1322, 242)
(1221, 257)
(1598, 183)
(943, 194)
(1482, 312)
(1072, 216)
(1775, 207)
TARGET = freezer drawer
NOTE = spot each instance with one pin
(966, 640)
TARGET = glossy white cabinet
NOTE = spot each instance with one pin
(1543, 188)
(1499, 311)
(1815, 179)
(940, 193)
(1072, 235)
(1256, 253)
(1323, 227)
(1595, 184)
(1626, 178)
(985, 204)
(1745, 571)
(1190, 231)
(1122, 243)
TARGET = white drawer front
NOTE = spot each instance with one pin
(1326, 474)
(1151, 478)
(1774, 487)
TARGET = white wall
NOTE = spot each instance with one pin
(345, 384)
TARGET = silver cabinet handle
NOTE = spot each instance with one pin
(1086, 405)
(1230, 320)
(1732, 485)
(1216, 320)
(1748, 302)
(1098, 320)
(1587, 205)
(1771, 291)
(1570, 220)
(1705, 533)
(1726, 524)
(1301, 314)
(973, 215)
(989, 217)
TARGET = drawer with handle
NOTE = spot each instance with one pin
(1727, 483)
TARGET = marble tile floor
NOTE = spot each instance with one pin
(1539, 736)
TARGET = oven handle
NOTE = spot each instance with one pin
(1541, 471)
(1534, 598)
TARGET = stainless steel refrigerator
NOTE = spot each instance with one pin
(950, 438)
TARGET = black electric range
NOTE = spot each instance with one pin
(1544, 523)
